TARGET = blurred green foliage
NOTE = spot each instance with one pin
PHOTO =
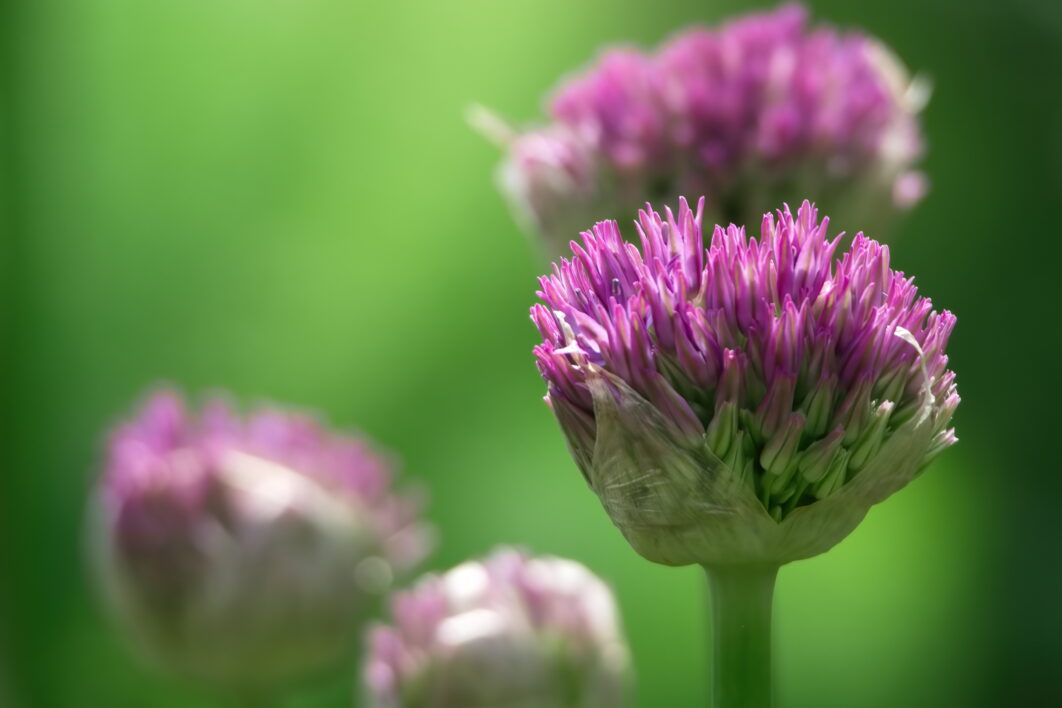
(280, 197)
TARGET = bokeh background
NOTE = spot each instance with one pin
(281, 198)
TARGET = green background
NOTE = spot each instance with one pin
(281, 198)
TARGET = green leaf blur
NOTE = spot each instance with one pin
(281, 198)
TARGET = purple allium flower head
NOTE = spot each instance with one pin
(762, 110)
(744, 401)
(510, 631)
(243, 551)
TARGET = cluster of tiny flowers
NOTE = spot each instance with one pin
(760, 111)
(510, 631)
(789, 366)
(241, 551)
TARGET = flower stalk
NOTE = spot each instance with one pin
(741, 597)
(739, 402)
(255, 698)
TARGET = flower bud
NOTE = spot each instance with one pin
(242, 553)
(510, 631)
(762, 110)
(747, 402)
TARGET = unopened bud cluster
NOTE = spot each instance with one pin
(510, 631)
(243, 552)
(745, 399)
(759, 111)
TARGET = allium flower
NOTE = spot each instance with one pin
(762, 110)
(745, 402)
(242, 552)
(507, 632)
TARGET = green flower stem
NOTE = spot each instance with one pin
(741, 634)
(256, 699)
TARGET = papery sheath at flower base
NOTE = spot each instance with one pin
(765, 108)
(508, 631)
(741, 403)
(243, 553)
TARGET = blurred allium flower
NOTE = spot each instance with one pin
(748, 402)
(243, 552)
(759, 111)
(506, 632)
